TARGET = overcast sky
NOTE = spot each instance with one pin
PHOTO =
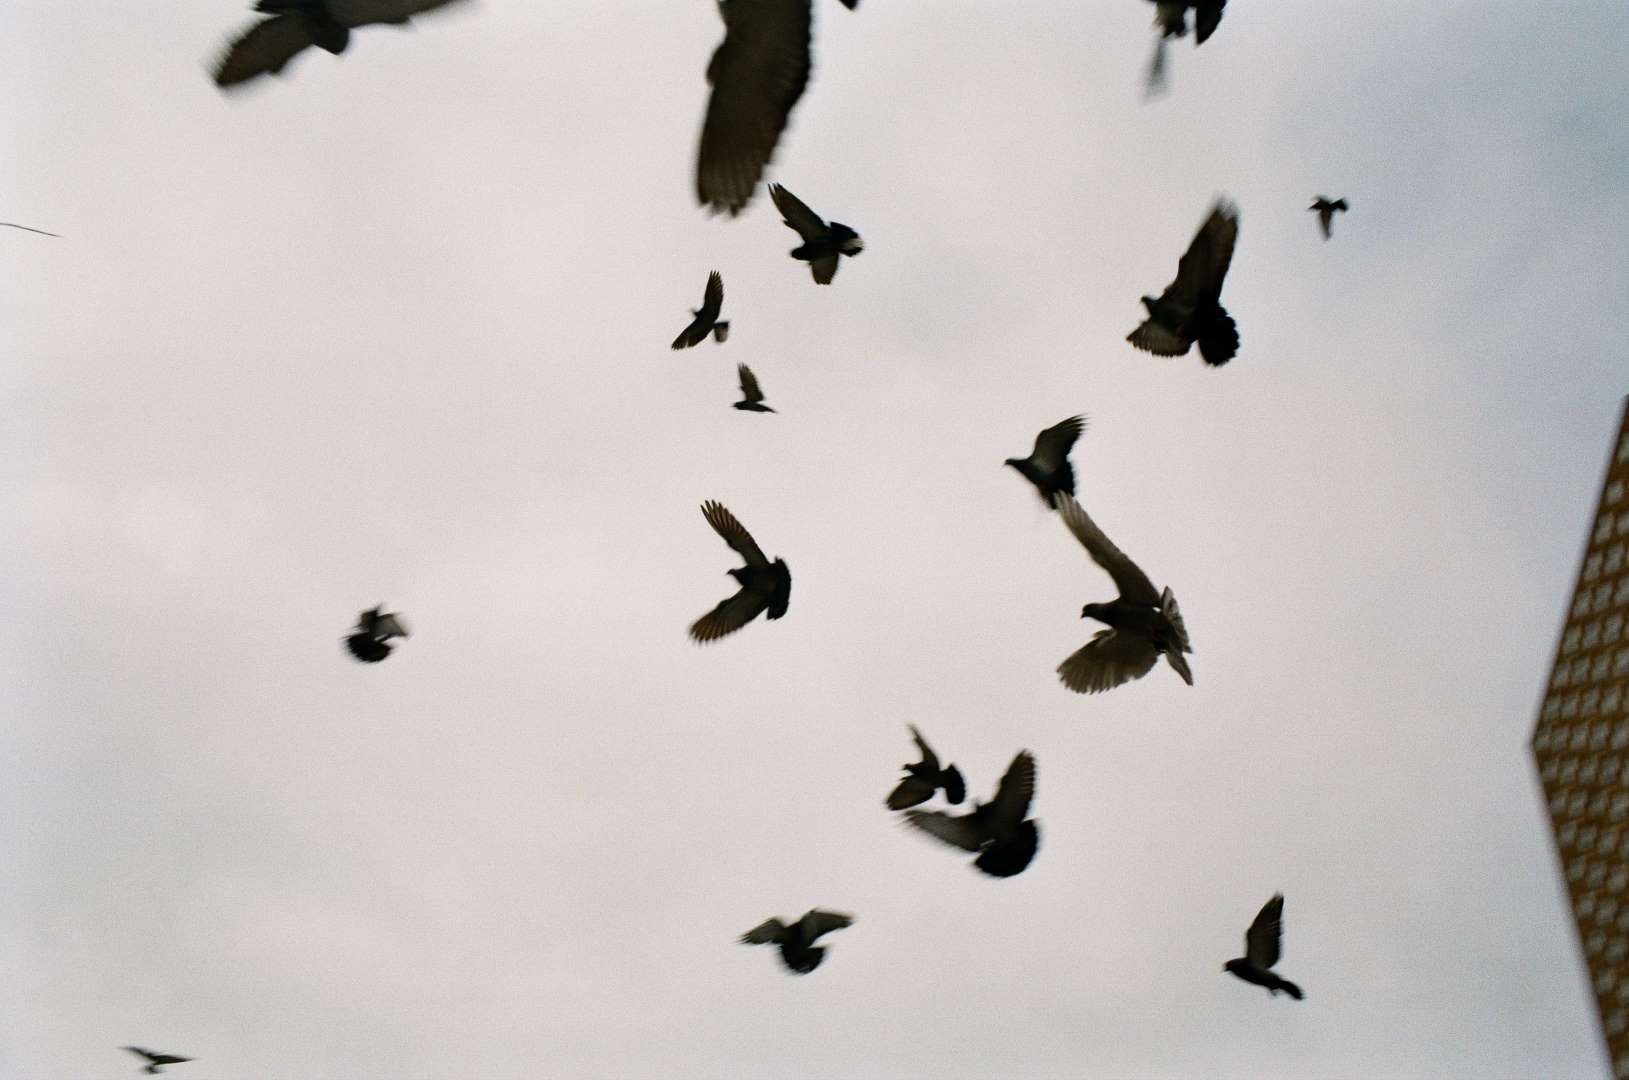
(395, 328)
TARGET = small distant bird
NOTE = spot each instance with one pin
(763, 584)
(757, 73)
(822, 243)
(1327, 209)
(752, 398)
(154, 1061)
(296, 25)
(798, 949)
(706, 317)
(1190, 309)
(1047, 466)
(1261, 946)
(998, 830)
(28, 228)
(1143, 624)
(374, 629)
(924, 777)
(1171, 16)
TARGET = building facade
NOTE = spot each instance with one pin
(1581, 746)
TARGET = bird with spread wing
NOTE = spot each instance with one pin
(1327, 209)
(923, 778)
(765, 586)
(799, 952)
(370, 642)
(706, 319)
(822, 244)
(295, 25)
(999, 831)
(1190, 309)
(752, 398)
(1261, 949)
(155, 1062)
(1047, 466)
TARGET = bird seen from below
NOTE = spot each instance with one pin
(1327, 209)
(764, 585)
(757, 73)
(752, 398)
(799, 952)
(1047, 466)
(155, 1062)
(923, 778)
(1171, 17)
(822, 243)
(296, 25)
(1143, 624)
(706, 319)
(374, 628)
(998, 830)
(1190, 309)
(1261, 949)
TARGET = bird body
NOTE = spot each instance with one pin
(1327, 208)
(155, 1062)
(752, 398)
(923, 778)
(998, 830)
(798, 950)
(1190, 309)
(370, 643)
(706, 317)
(295, 25)
(1047, 466)
(1261, 951)
(766, 587)
(822, 243)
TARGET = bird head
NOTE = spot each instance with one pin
(1094, 611)
(1233, 965)
(1149, 302)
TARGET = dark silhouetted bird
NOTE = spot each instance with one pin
(822, 243)
(1190, 309)
(998, 830)
(706, 317)
(1261, 946)
(924, 777)
(752, 398)
(799, 952)
(763, 584)
(1143, 624)
(757, 74)
(296, 25)
(28, 228)
(1171, 16)
(155, 1061)
(1047, 466)
(1327, 209)
(374, 629)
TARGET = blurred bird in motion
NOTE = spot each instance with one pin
(822, 243)
(998, 830)
(1327, 208)
(799, 952)
(28, 228)
(1143, 624)
(764, 585)
(296, 25)
(1047, 466)
(155, 1062)
(706, 317)
(374, 629)
(924, 777)
(1261, 949)
(752, 398)
(1171, 16)
(1190, 309)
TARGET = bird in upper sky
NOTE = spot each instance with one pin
(752, 398)
(1047, 466)
(757, 74)
(28, 228)
(1327, 208)
(374, 628)
(296, 25)
(1190, 309)
(1171, 16)
(1143, 624)
(155, 1061)
(1261, 948)
(764, 585)
(822, 243)
(706, 317)
(799, 952)
(923, 778)
(998, 830)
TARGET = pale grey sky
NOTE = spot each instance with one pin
(395, 328)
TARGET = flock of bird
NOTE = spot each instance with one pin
(757, 75)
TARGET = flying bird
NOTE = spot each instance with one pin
(1171, 16)
(923, 778)
(155, 1061)
(998, 830)
(1261, 948)
(1190, 309)
(296, 25)
(757, 74)
(1143, 624)
(1327, 209)
(822, 243)
(1047, 466)
(706, 319)
(752, 398)
(763, 584)
(28, 228)
(799, 952)
(374, 629)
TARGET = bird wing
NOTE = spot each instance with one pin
(694, 334)
(1153, 338)
(712, 300)
(796, 213)
(731, 614)
(1261, 941)
(764, 933)
(268, 45)
(1052, 446)
(724, 523)
(388, 626)
(1173, 614)
(910, 791)
(1106, 661)
(930, 760)
(955, 830)
(1013, 795)
(1203, 266)
(1133, 584)
(1206, 17)
(816, 922)
(355, 13)
(749, 384)
(757, 74)
(139, 1052)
